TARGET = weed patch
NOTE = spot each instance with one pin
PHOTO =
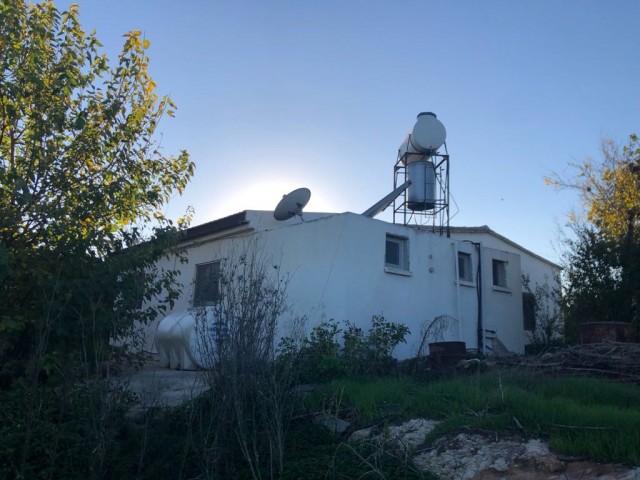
(579, 416)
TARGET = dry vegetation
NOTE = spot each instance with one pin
(618, 361)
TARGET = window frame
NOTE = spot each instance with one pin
(202, 296)
(499, 273)
(402, 253)
(465, 265)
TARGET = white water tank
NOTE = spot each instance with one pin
(416, 150)
(408, 153)
(422, 191)
(185, 340)
(428, 134)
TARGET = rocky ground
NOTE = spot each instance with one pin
(487, 456)
(467, 455)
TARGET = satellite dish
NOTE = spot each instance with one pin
(292, 204)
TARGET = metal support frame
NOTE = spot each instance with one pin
(436, 218)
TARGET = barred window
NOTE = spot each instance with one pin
(207, 284)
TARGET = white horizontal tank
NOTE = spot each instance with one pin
(427, 136)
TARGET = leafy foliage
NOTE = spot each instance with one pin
(547, 301)
(322, 357)
(82, 175)
(609, 188)
(79, 168)
(319, 355)
(373, 353)
(602, 261)
(72, 432)
(593, 280)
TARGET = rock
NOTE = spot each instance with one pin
(362, 434)
(630, 475)
(411, 434)
(480, 457)
(405, 437)
(537, 454)
(333, 423)
(466, 455)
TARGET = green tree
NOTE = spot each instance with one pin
(81, 174)
(602, 261)
(592, 274)
(83, 180)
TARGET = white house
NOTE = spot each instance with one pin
(348, 266)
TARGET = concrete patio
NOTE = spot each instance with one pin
(156, 386)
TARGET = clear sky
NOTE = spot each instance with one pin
(275, 95)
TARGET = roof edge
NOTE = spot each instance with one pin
(215, 226)
(486, 229)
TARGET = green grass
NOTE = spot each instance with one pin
(579, 416)
(315, 453)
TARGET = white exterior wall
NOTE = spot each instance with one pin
(539, 270)
(337, 268)
(502, 306)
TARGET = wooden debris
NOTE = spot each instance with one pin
(620, 361)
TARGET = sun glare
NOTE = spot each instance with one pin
(265, 195)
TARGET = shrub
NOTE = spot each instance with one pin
(321, 357)
(71, 432)
(249, 404)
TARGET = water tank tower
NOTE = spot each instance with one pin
(426, 200)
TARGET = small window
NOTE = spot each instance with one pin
(397, 252)
(529, 311)
(464, 267)
(499, 273)
(207, 289)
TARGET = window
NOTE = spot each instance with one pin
(207, 291)
(465, 272)
(499, 273)
(529, 311)
(397, 252)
